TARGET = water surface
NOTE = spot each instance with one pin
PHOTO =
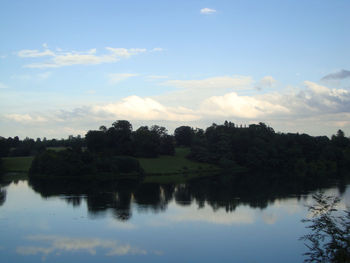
(201, 221)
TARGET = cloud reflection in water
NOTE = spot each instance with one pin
(59, 244)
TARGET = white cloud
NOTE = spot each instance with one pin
(126, 53)
(25, 118)
(311, 101)
(137, 108)
(28, 53)
(199, 102)
(207, 11)
(233, 105)
(191, 93)
(3, 86)
(315, 88)
(61, 58)
(323, 99)
(115, 78)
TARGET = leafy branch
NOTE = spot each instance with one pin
(329, 239)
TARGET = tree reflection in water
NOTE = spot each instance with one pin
(217, 192)
(2, 196)
(3, 192)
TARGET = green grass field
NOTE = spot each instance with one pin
(56, 149)
(17, 164)
(164, 169)
(177, 164)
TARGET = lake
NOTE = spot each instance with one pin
(207, 220)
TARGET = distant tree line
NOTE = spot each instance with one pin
(257, 147)
(12, 147)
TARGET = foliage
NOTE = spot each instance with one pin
(72, 163)
(121, 140)
(184, 135)
(329, 240)
(14, 147)
(258, 147)
(146, 142)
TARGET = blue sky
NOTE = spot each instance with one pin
(70, 66)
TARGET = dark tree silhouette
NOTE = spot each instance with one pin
(146, 142)
(183, 135)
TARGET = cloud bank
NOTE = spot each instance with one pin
(202, 100)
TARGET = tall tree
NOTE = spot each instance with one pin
(184, 135)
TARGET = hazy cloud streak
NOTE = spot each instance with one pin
(115, 78)
(60, 58)
(58, 244)
(221, 82)
(3, 86)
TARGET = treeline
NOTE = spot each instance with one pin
(259, 147)
(108, 151)
(256, 147)
(120, 139)
(13, 147)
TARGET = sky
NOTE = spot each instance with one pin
(67, 67)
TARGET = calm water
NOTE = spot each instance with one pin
(203, 221)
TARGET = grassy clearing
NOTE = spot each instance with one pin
(177, 164)
(17, 164)
(56, 149)
(176, 178)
